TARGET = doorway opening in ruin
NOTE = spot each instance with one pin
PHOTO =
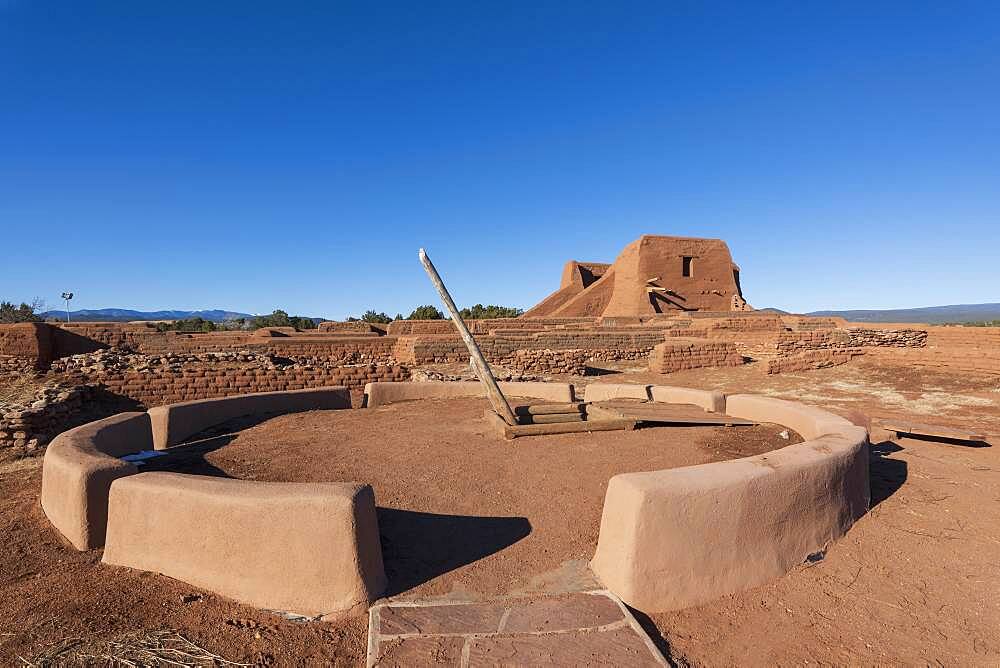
(687, 266)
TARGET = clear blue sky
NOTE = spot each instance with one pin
(254, 155)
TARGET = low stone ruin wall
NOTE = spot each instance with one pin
(10, 364)
(574, 361)
(854, 337)
(892, 338)
(28, 426)
(614, 345)
(792, 342)
(812, 359)
(155, 380)
(819, 349)
(352, 327)
(679, 354)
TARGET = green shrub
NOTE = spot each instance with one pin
(371, 316)
(426, 312)
(23, 313)
(480, 312)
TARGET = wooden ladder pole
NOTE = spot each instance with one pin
(479, 364)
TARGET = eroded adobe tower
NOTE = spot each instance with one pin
(653, 274)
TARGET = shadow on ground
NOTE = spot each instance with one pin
(886, 475)
(190, 458)
(418, 547)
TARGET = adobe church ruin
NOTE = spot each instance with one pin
(653, 274)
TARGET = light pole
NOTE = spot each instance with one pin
(67, 296)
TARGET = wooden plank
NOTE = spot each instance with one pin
(547, 409)
(479, 363)
(933, 431)
(667, 413)
(551, 418)
(517, 431)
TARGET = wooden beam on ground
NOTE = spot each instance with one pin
(547, 409)
(579, 427)
(903, 427)
(657, 413)
(479, 364)
(552, 418)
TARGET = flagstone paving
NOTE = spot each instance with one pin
(587, 628)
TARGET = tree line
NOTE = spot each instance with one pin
(24, 312)
(430, 312)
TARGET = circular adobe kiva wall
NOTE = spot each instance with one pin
(676, 538)
(668, 539)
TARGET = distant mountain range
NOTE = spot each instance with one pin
(126, 315)
(926, 314)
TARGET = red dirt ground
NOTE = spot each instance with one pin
(916, 581)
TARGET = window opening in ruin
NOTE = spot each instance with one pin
(687, 264)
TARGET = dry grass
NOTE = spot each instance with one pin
(136, 650)
(18, 388)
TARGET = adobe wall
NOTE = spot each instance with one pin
(680, 354)
(680, 537)
(26, 345)
(806, 360)
(653, 274)
(207, 382)
(352, 327)
(307, 548)
(632, 344)
(955, 348)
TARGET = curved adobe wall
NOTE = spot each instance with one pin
(79, 467)
(676, 538)
(308, 548)
(173, 423)
(378, 394)
(710, 400)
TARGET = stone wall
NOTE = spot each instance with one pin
(632, 344)
(28, 426)
(812, 359)
(573, 361)
(156, 380)
(352, 327)
(18, 365)
(893, 338)
(790, 342)
(680, 354)
(854, 337)
(549, 361)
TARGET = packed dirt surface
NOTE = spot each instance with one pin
(463, 513)
(915, 582)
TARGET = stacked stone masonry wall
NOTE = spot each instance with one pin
(573, 361)
(681, 354)
(18, 365)
(893, 338)
(789, 342)
(156, 389)
(812, 359)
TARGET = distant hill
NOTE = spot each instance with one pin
(125, 315)
(926, 314)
